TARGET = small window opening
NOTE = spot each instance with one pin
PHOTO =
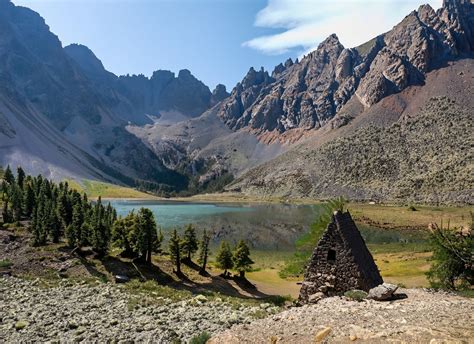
(331, 255)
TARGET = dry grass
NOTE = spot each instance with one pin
(94, 189)
(391, 216)
(404, 268)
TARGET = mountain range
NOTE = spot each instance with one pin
(390, 120)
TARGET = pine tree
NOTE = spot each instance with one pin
(203, 252)
(8, 176)
(70, 236)
(76, 224)
(242, 261)
(16, 201)
(6, 213)
(120, 236)
(28, 200)
(55, 224)
(39, 226)
(190, 243)
(224, 258)
(20, 174)
(174, 248)
(35, 226)
(101, 231)
(147, 237)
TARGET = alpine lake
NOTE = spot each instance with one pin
(271, 230)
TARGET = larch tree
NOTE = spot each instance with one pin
(203, 252)
(20, 177)
(224, 258)
(189, 243)
(8, 176)
(147, 234)
(241, 258)
(174, 249)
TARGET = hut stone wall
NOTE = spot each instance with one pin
(340, 262)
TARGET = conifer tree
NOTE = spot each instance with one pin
(28, 200)
(203, 252)
(8, 176)
(101, 232)
(55, 225)
(6, 213)
(190, 243)
(34, 227)
(224, 258)
(174, 248)
(70, 236)
(147, 237)
(20, 175)
(241, 258)
(76, 224)
(121, 230)
(16, 201)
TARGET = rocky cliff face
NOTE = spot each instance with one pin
(136, 98)
(61, 113)
(166, 92)
(308, 93)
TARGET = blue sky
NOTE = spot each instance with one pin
(217, 40)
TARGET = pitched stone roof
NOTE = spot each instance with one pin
(353, 239)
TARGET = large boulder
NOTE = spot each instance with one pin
(382, 292)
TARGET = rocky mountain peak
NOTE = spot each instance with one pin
(309, 93)
(185, 74)
(219, 94)
(87, 60)
(254, 78)
(331, 41)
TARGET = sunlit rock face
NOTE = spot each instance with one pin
(308, 93)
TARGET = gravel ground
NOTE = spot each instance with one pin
(423, 317)
(74, 312)
(80, 312)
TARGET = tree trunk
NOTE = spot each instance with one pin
(202, 271)
(242, 274)
(178, 264)
(148, 258)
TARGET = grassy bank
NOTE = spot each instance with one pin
(94, 189)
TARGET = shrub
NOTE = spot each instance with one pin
(453, 264)
(201, 338)
(5, 263)
(356, 295)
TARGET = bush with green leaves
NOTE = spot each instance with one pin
(201, 338)
(453, 262)
(356, 295)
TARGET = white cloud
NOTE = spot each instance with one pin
(305, 23)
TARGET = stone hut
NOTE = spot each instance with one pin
(340, 262)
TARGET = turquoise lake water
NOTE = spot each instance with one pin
(263, 226)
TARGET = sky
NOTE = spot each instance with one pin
(217, 40)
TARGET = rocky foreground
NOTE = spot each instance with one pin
(72, 312)
(106, 313)
(422, 317)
